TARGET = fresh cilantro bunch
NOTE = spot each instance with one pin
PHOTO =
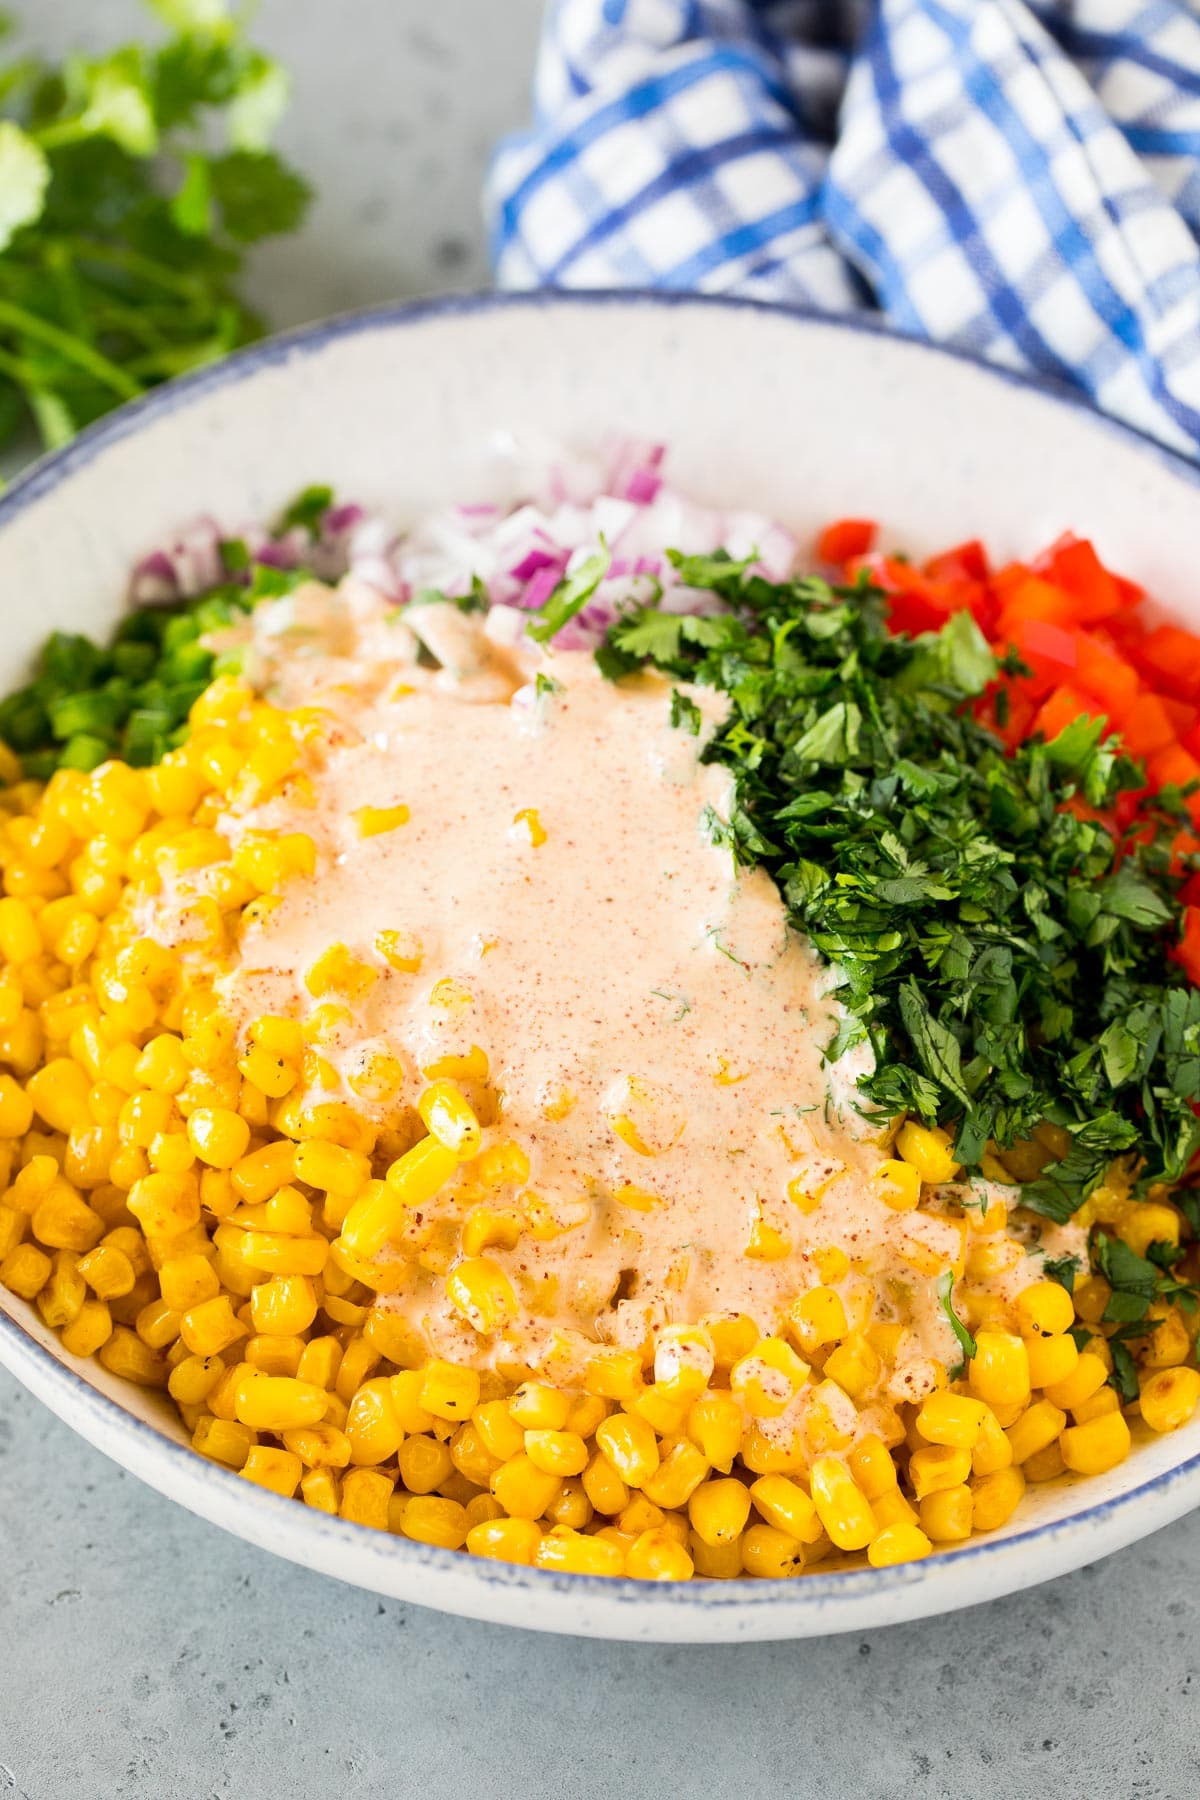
(1007, 960)
(129, 186)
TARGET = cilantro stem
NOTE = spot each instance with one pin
(74, 349)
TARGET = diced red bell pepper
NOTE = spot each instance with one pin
(1188, 952)
(1072, 564)
(1029, 597)
(1063, 707)
(846, 538)
(1106, 677)
(1129, 805)
(1050, 652)
(1147, 726)
(965, 562)
(1176, 767)
(1170, 657)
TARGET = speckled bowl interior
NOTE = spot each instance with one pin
(800, 417)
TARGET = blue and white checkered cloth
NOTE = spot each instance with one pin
(1020, 178)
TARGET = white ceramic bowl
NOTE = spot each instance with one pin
(799, 417)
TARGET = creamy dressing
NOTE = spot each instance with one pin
(653, 1030)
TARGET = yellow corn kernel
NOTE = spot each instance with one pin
(512, 1540)
(900, 1542)
(891, 1508)
(89, 1330)
(1051, 1359)
(448, 1118)
(854, 1365)
(278, 1402)
(267, 860)
(424, 1464)
(449, 1391)
(631, 1447)
(561, 1453)
(371, 821)
(12, 1230)
(211, 1327)
(471, 1456)
(1038, 1426)
(768, 1379)
(192, 1380)
(479, 1289)
(1105, 1401)
(223, 1440)
(951, 1419)
(277, 1470)
(996, 1497)
(1085, 1379)
(279, 1254)
(64, 1294)
(186, 1281)
(818, 1317)
(157, 1325)
(1169, 1398)
(421, 1172)
(163, 1067)
(938, 1467)
(365, 1497)
(718, 1511)
(274, 1355)
(20, 939)
(374, 1431)
(714, 1424)
(765, 1243)
(603, 1486)
(488, 1226)
(1098, 1445)
(321, 1446)
(400, 950)
(1091, 1297)
(657, 1555)
(1146, 1222)
(1169, 1344)
(522, 1489)
(679, 1473)
(841, 1506)
(338, 971)
(319, 1489)
(870, 1463)
(992, 1452)
(219, 1136)
(319, 1363)
(1044, 1465)
(946, 1515)
(999, 1370)
(165, 1205)
(784, 1504)
(770, 1554)
(614, 1374)
(929, 1151)
(898, 1185)
(429, 1520)
(1045, 1309)
(359, 1360)
(16, 1108)
(125, 1354)
(59, 1092)
(62, 1220)
(268, 1072)
(284, 1306)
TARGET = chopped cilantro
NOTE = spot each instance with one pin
(1004, 964)
(570, 596)
(1062, 1269)
(945, 1294)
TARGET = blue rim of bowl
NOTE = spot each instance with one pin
(817, 1590)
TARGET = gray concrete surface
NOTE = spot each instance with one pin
(145, 1654)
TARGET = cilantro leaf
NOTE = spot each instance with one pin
(121, 228)
(945, 1294)
(570, 596)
